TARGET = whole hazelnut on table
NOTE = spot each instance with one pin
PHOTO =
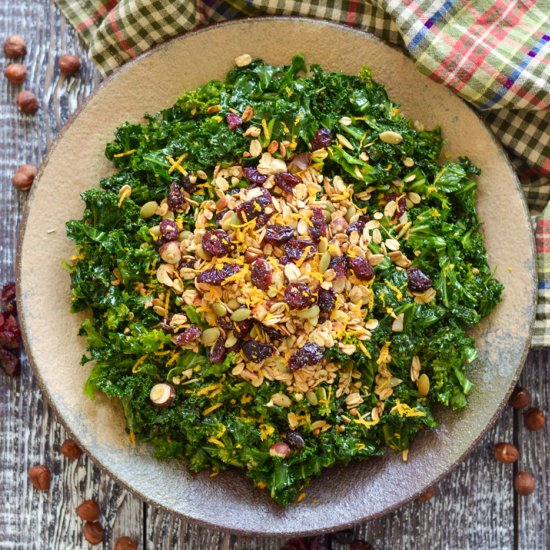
(27, 103)
(524, 483)
(125, 543)
(24, 177)
(93, 532)
(506, 452)
(88, 510)
(16, 73)
(70, 449)
(15, 46)
(533, 419)
(520, 398)
(40, 477)
(69, 64)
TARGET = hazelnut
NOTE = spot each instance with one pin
(162, 395)
(70, 449)
(520, 398)
(429, 493)
(16, 73)
(88, 510)
(251, 257)
(125, 543)
(93, 532)
(69, 64)
(280, 449)
(15, 46)
(524, 483)
(24, 177)
(40, 477)
(506, 452)
(27, 103)
(533, 419)
(170, 252)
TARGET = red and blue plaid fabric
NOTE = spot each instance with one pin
(495, 54)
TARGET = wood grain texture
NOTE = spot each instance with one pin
(476, 509)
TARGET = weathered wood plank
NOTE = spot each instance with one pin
(29, 433)
(533, 518)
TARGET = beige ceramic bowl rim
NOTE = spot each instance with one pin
(105, 82)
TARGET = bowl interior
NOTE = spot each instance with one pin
(342, 495)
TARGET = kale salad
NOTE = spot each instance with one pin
(281, 275)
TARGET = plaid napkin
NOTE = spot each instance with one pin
(495, 54)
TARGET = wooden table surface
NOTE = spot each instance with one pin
(476, 508)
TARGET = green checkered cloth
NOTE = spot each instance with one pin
(495, 54)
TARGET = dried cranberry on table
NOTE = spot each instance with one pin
(175, 197)
(326, 299)
(189, 335)
(256, 351)
(253, 176)
(278, 234)
(287, 181)
(216, 242)
(361, 268)
(322, 139)
(10, 333)
(233, 121)
(10, 362)
(318, 227)
(7, 297)
(418, 280)
(261, 274)
(340, 266)
(309, 354)
(169, 230)
(297, 248)
(299, 296)
(216, 276)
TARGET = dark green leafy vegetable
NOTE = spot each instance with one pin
(218, 419)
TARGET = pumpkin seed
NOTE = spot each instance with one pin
(148, 209)
(219, 309)
(393, 138)
(240, 314)
(281, 400)
(324, 262)
(423, 385)
(231, 340)
(312, 398)
(309, 313)
(210, 335)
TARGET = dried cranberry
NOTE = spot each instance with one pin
(299, 296)
(254, 209)
(261, 273)
(318, 227)
(287, 181)
(253, 176)
(7, 297)
(309, 354)
(326, 300)
(296, 248)
(225, 323)
(284, 260)
(10, 333)
(295, 441)
(358, 225)
(166, 327)
(216, 242)
(233, 121)
(216, 276)
(400, 201)
(340, 266)
(258, 351)
(188, 336)
(418, 280)
(272, 332)
(175, 197)
(242, 328)
(278, 234)
(188, 263)
(169, 230)
(219, 351)
(187, 185)
(10, 362)
(361, 268)
(323, 138)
